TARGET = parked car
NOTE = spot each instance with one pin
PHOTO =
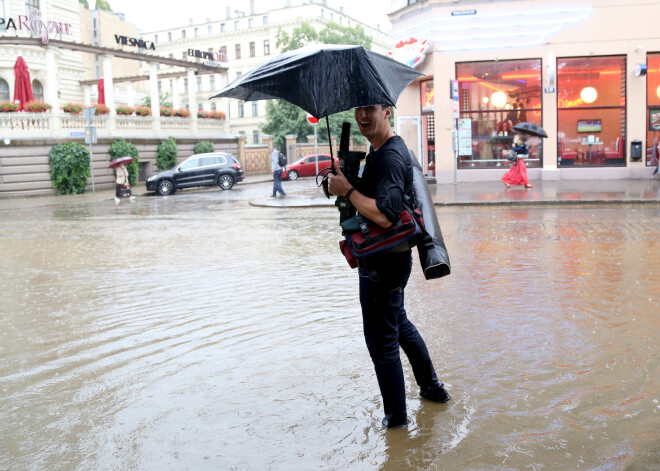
(305, 167)
(215, 168)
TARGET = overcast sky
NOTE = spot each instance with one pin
(153, 15)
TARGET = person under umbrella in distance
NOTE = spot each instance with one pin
(387, 178)
(277, 173)
(517, 174)
(122, 185)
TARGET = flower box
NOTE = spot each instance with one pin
(37, 106)
(101, 109)
(182, 112)
(167, 111)
(143, 111)
(73, 108)
(125, 110)
(9, 107)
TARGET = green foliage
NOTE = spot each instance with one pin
(336, 34)
(203, 147)
(69, 168)
(103, 5)
(84, 3)
(122, 148)
(163, 100)
(300, 36)
(284, 118)
(166, 154)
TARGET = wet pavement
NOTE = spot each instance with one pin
(208, 331)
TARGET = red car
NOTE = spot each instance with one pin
(305, 167)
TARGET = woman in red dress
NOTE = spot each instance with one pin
(517, 175)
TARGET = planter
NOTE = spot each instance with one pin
(124, 110)
(73, 108)
(143, 111)
(9, 107)
(101, 109)
(37, 107)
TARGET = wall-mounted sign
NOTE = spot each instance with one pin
(140, 43)
(463, 12)
(212, 63)
(427, 96)
(654, 119)
(411, 51)
(34, 24)
(211, 56)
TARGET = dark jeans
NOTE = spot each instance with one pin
(277, 183)
(386, 328)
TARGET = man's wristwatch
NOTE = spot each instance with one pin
(348, 193)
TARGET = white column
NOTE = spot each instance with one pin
(52, 85)
(87, 96)
(109, 88)
(130, 91)
(176, 100)
(155, 102)
(192, 99)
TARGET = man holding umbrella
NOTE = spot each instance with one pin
(387, 178)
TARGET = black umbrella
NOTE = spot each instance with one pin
(530, 129)
(325, 79)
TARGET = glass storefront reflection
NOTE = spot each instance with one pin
(653, 104)
(495, 96)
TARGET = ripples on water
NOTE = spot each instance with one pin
(229, 337)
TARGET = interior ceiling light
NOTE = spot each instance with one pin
(588, 94)
(498, 99)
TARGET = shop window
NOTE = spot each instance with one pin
(494, 96)
(591, 111)
(37, 90)
(4, 90)
(653, 115)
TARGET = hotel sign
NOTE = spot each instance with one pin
(33, 23)
(213, 59)
(140, 43)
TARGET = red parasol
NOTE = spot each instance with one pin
(121, 161)
(23, 86)
(101, 87)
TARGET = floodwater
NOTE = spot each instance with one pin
(199, 333)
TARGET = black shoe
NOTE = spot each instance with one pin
(273, 196)
(438, 394)
(386, 423)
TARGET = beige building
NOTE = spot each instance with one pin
(588, 72)
(242, 41)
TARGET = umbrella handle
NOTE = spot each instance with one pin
(332, 157)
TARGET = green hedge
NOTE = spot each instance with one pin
(122, 148)
(69, 168)
(203, 147)
(166, 154)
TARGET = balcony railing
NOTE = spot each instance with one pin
(49, 124)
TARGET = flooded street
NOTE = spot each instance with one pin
(196, 332)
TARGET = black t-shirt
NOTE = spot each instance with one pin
(387, 176)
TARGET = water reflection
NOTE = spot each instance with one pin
(189, 333)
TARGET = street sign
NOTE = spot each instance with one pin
(90, 135)
(89, 114)
(77, 134)
(453, 89)
(311, 119)
(456, 108)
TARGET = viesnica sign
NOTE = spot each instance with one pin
(34, 24)
(141, 43)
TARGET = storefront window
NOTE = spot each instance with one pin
(495, 96)
(591, 111)
(653, 104)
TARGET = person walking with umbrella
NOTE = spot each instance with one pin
(517, 174)
(386, 181)
(122, 185)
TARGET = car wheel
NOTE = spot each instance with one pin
(293, 175)
(165, 187)
(225, 182)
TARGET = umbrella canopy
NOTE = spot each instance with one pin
(121, 161)
(325, 79)
(23, 86)
(101, 87)
(530, 129)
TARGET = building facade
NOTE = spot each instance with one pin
(587, 72)
(242, 41)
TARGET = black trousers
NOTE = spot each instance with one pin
(383, 279)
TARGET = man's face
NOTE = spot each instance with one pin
(373, 120)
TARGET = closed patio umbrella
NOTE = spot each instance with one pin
(101, 87)
(22, 84)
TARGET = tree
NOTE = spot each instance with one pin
(284, 118)
(103, 5)
(163, 100)
(84, 3)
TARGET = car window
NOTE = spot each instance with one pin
(323, 158)
(233, 159)
(188, 164)
(207, 161)
(309, 160)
